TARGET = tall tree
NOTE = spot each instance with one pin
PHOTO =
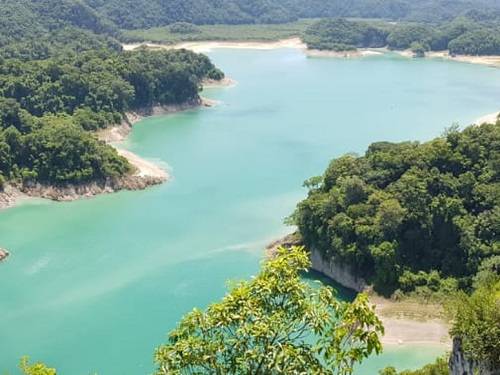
(274, 324)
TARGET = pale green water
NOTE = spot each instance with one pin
(95, 285)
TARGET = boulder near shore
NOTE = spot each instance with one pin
(3, 254)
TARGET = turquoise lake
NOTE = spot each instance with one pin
(94, 286)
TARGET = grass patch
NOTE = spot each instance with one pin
(254, 32)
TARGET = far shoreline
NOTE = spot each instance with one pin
(296, 43)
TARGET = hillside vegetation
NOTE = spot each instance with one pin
(27, 17)
(48, 106)
(419, 218)
(462, 35)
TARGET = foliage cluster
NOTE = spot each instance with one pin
(440, 367)
(415, 217)
(342, 35)
(274, 324)
(462, 35)
(48, 105)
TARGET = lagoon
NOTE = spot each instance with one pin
(93, 286)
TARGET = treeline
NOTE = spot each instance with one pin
(132, 14)
(463, 36)
(21, 18)
(51, 98)
(418, 218)
(343, 35)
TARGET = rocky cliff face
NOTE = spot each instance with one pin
(73, 192)
(336, 271)
(340, 273)
(460, 365)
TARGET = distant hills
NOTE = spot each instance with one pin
(21, 18)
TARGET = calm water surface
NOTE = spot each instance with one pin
(93, 286)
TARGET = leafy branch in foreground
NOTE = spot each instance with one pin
(273, 324)
(35, 369)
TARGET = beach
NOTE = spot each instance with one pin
(297, 43)
(405, 322)
(411, 322)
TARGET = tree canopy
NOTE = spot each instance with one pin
(410, 216)
(56, 89)
(274, 324)
(463, 35)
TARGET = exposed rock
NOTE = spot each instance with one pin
(72, 192)
(460, 365)
(120, 132)
(3, 254)
(9, 196)
(336, 271)
(287, 242)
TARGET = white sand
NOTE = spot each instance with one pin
(144, 168)
(407, 331)
(203, 47)
(411, 322)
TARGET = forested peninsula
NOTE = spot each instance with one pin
(410, 217)
(58, 89)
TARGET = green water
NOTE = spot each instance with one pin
(95, 285)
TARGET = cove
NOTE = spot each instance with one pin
(93, 286)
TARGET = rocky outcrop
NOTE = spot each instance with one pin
(3, 254)
(9, 196)
(460, 365)
(340, 273)
(76, 191)
(120, 132)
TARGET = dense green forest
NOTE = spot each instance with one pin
(24, 17)
(415, 217)
(132, 14)
(47, 107)
(464, 35)
(57, 88)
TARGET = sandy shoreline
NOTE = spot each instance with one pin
(493, 61)
(208, 46)
(406, 322)
(296, 43)
(411, 322)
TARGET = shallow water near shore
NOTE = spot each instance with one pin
(93, 286)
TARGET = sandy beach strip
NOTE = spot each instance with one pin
(493, 61)
(144, 168)
(208, 46)
(411, 322)
(297, 43)
(294, 43)
(411, 332)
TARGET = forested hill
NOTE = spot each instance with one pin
(416, 217)
(148, 13)
(21, 18)
(63, 76)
